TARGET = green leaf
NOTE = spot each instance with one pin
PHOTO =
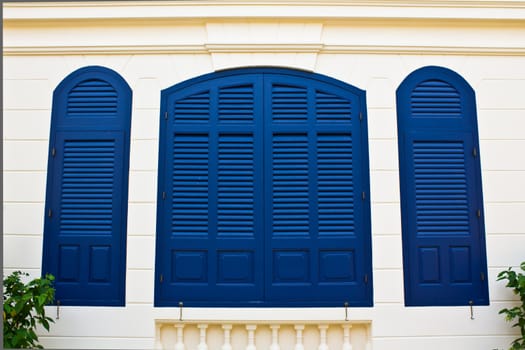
(24, 309)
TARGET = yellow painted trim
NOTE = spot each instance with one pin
(259, 48)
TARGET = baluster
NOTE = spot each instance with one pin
(202, 343)
(368, 339)
(158, 343)
(322, 335)
(251, 336)
(227, 329)
(180, 337)
(299, 336)
(275, 337)
(346, 337)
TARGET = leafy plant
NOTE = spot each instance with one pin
(516, 281)
(24, 309)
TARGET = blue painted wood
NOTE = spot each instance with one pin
(87, 188)
(441, 197)
(261, 175)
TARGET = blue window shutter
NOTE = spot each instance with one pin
(87, 186)
(316, 194)
(258, 174)
(441, 198)
(209, 236)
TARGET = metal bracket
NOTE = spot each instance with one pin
(471, 303)
(346, 310)
(58, 310)
(181, 305)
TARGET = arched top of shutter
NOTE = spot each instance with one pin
(93, 97)
(289, 90)
(438, 98)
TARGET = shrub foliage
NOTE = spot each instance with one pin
(24, 309)
(516, 281)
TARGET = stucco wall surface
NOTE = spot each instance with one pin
(371, 45)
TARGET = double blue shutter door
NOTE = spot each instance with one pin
(441, 197)
(87, 186)
(263, 192)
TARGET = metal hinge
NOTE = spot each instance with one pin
(166, 115)
(161, 278)
(482, 276)
(50, 212)
(478, 213)
(53, 151)
(365, 279)
(363, 195)
(360, 115)
(163, 195)
(474, 152)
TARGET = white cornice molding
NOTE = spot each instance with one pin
(256, 9)
(315, 48)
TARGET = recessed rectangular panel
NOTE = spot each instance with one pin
(68, 263)
(291, 266)
(100, 264)
(460, 268)
(429, 271)
(337, 266)
(235, 267)
(189, 266)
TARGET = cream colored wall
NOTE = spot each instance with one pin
(370, 45)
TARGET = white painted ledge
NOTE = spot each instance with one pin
(242, 9)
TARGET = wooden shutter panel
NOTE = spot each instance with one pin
(86, 205)
(316, 174)
(208, 247)
(443, 238)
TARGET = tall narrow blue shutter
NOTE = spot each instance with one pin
(263, 192)
(86, 205)
(441, 198)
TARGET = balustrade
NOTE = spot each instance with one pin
(262, 335)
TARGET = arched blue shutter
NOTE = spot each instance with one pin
(210, 187)
(263, 192)
(87, 186)
(316, 186)
(441, 197)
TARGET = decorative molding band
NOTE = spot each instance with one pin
(315, 48)
(270, 9)
(262, 48)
